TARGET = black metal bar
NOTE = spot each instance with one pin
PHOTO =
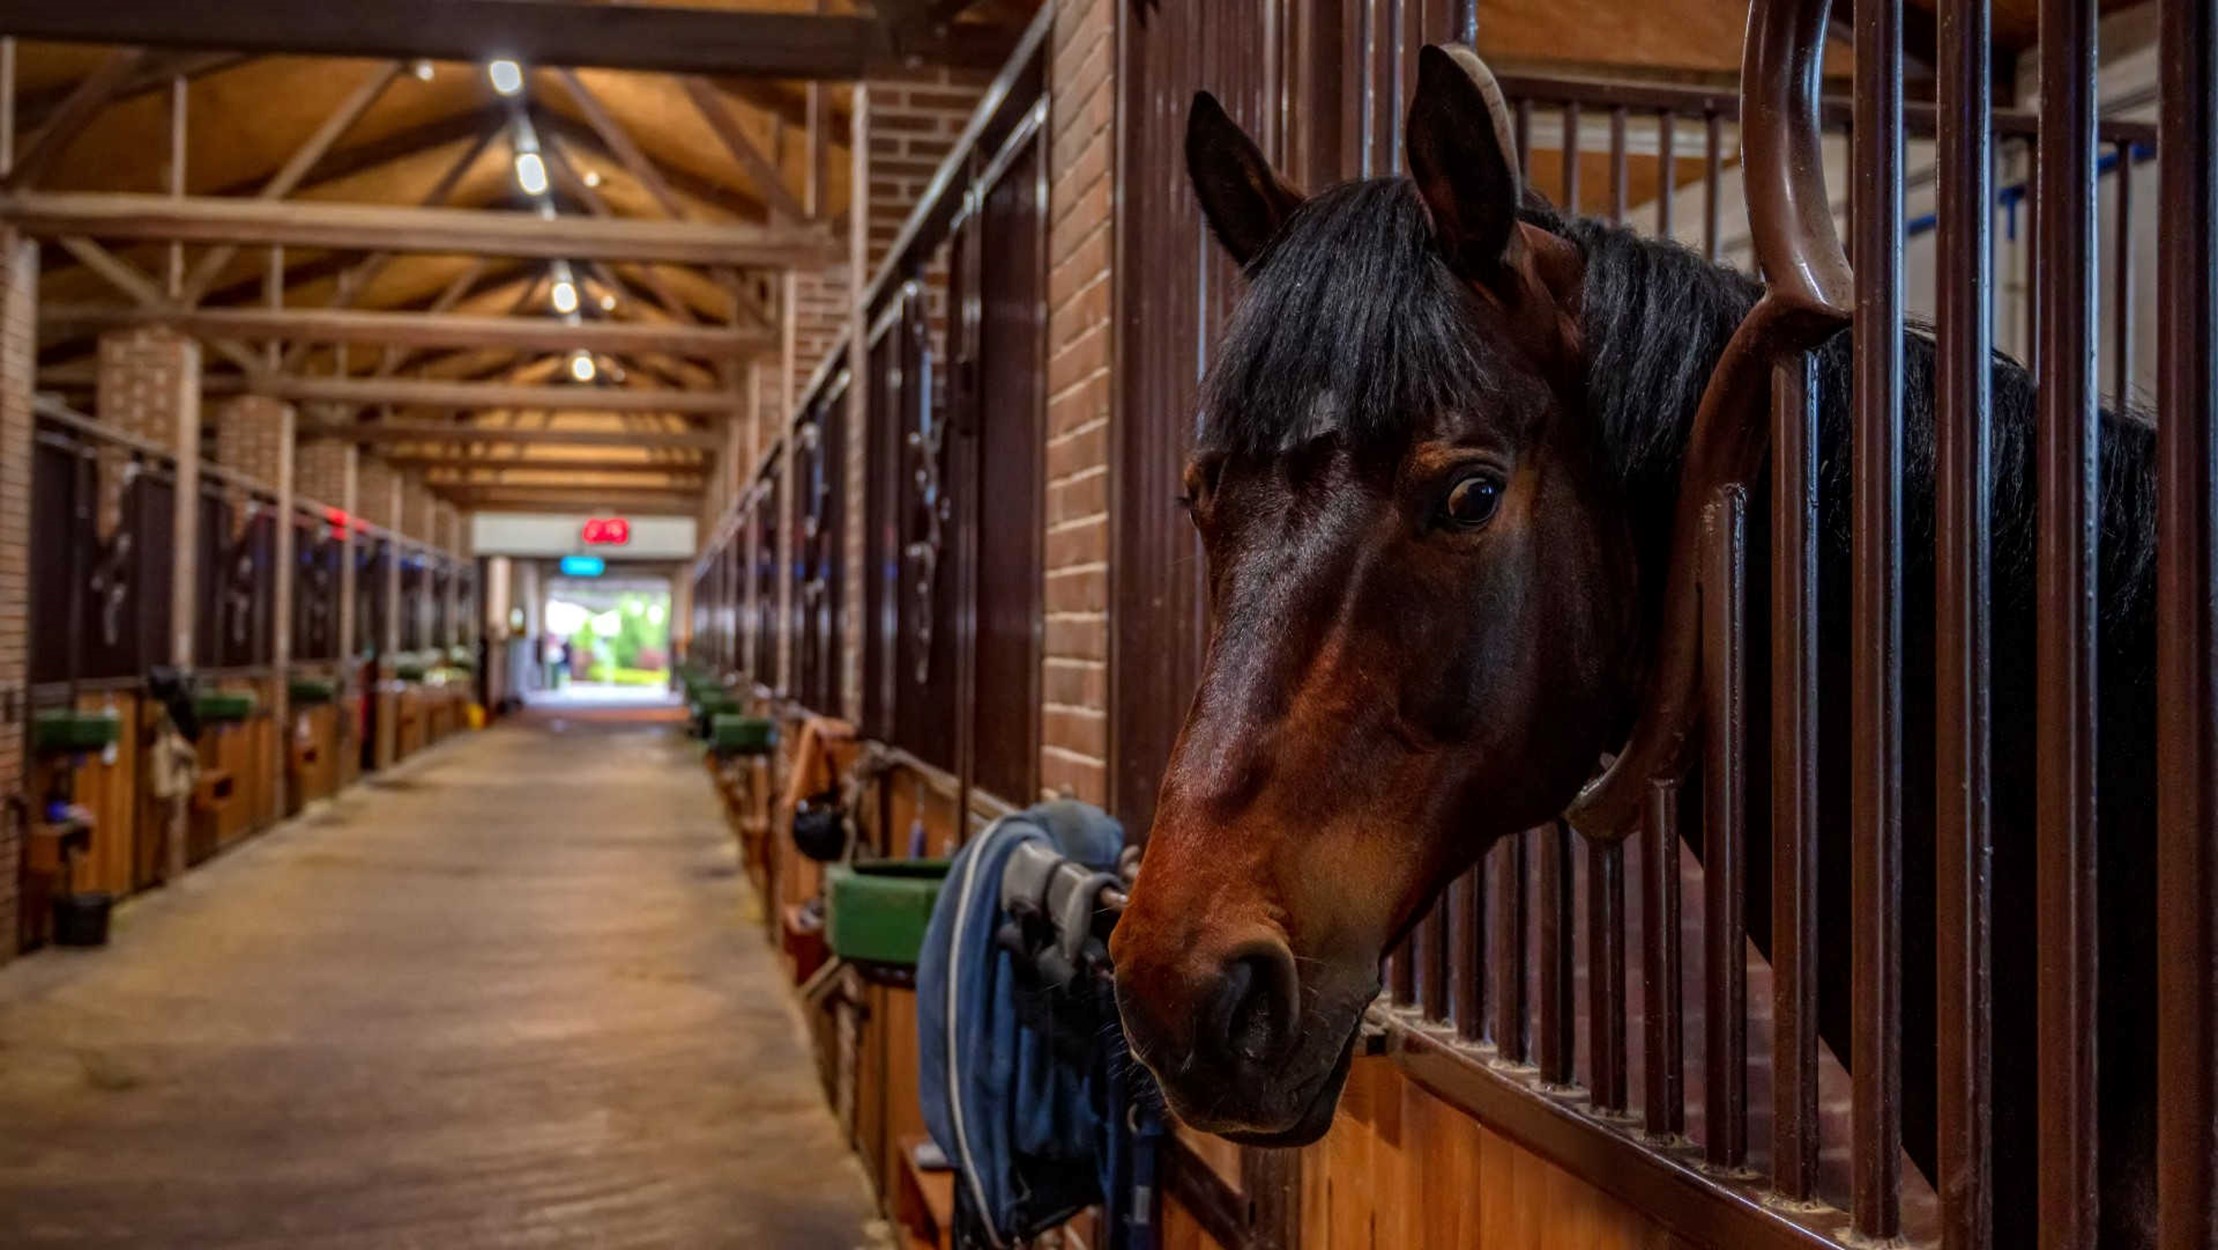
(1713, 163)
(1510, 953)
(1667, 170)
(1618, 192)
(2068, 435)
(1663, 1058)
(2187, 633)
(1558, 1010)
(1875, 802)
(1724, 832)
(1605, 974)
(1794, 779)
(1964, 492)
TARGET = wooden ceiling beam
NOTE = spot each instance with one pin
(619, 141)
(365, 227)
(638, 37)
(408, 329)
(491, 396)
(581, 140)
(441, 433)
(766, 177)
(153, 74)
(76, 112)
(296, 168)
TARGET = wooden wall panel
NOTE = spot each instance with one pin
(1401, 1168)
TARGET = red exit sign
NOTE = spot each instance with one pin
(612, 531)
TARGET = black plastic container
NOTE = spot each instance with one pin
(82, 919)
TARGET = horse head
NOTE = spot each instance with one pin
(1424, 618)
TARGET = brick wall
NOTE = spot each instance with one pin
(374, 491)
(142, 374)
(320, 472)
(820, 307)
(250, 437)
(1075, 677)
(18, 367)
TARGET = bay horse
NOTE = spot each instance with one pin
(1436, 467)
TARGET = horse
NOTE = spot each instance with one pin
(1436, 466)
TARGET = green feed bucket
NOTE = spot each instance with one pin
(731, 734)
(224, 707)
(877, 911)
(310, 691)
(62, 731)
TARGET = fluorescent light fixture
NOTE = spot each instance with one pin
(565, 296)
(531, 173)
(581, 367)
(507, 76)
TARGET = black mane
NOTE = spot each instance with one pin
(1354, 326)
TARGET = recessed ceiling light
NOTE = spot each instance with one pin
(507, 76)
(531, 173)
(592, 177)
(608, 303)
(565, 296)
(422, 70)
(581, 367)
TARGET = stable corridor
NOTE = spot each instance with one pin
(514, 994)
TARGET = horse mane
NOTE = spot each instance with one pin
(1655, 318)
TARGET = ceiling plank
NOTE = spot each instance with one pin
(768, 181)
(640, 37)
(296, 169)
(382, 228)
(84, 103)
(485, 396)
(410, 329)
(153, 74)
(620, 142)
(433, 432)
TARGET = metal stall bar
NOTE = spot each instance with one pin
(1663, 1057)
(1794, 780)
(1467, 954)
(1724, 831)
(1510, 951)
(2067, 439)
(1875, 802)
(2187, 633)
(1963, 507)
(1558, 1007)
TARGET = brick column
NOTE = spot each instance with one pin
(1075, 678)
(254, 434)
(19, 260)
(149, 386)
(388, 732)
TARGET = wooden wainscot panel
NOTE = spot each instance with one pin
(348, 768)
(151, 831)
(312, 756)
(1401, 1168)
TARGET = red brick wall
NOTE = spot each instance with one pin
(250, 437)
(1075, 681)
(320, 472)
(375, 493)
(18, 368)
(141, 379)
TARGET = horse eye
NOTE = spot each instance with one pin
(1471, 502)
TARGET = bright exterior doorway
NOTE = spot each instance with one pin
(607, 639)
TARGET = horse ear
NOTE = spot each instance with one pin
(1462, 154)
(1240, 194)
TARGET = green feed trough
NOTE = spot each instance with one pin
(731, 734)
(877, 911)
(62, 731)
(224, 707)
(311, 691)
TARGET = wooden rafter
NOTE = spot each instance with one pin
(558, 157)
(581, 141)
(766, 177)
(155, 73)
(641, 37)
(382, 228)
(409, 329)
(75, 112)
(492, 396)
(152, 304)
(296, 169)
(435, 433)
(619, 141)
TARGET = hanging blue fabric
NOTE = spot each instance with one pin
(1025, 1081)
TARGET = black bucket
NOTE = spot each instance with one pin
(82, 919)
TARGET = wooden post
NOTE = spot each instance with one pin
(389, 628)
(281, 616)
(350, 647)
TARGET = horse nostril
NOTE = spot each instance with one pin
(1255, 1003)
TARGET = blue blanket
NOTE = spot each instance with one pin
(1027, 1088)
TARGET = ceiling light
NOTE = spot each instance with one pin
(507, 76)
(581, 367)
(592, 177)
(422, 70)
(531, 173)
(608, 303)
(565, 296)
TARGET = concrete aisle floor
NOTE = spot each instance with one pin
(510, 997)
